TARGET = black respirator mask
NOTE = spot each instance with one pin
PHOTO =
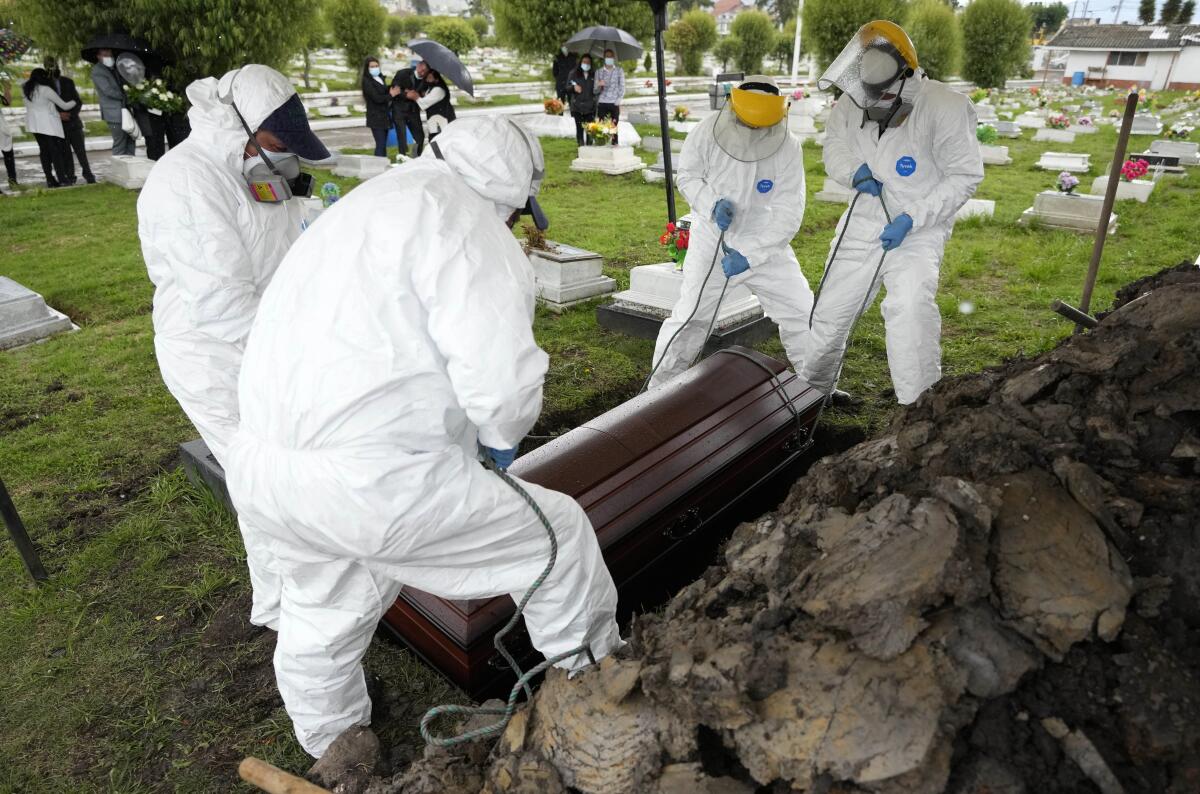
(273, 177)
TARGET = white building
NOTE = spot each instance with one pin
(724, 11)
(1127, 55)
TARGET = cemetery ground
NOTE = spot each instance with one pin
(134, 668)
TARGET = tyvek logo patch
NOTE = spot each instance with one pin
(765, 185)
(906, 166)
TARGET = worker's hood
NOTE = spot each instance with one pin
(496, 157)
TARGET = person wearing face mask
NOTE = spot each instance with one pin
(214, 223)
(434, 99)
(610, 85)
(906, 145)
(112, 99)
(406, 88)
(379, 103)
(371, 387)
(564, 64)
(583, 95)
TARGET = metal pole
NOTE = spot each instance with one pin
(660, 24)
(796, 43)
(20, 537)
(1110, 195)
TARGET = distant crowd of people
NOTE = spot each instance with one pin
(399, 105)
(590, 93)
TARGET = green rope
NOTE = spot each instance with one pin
(523, 677)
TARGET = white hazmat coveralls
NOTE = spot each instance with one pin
(929, 166)
(211, 250)
(768, 207)
(376, 363)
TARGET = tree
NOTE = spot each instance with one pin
(1186, 12)
(1146, 11)
(479, 25)
(453, 33)
(1170, 11)
(357, 28)
(539, 27)
(785, 42)
(782, 11)
(689, 37)
(995, 41)
(414, 26)
(726, 50)
(314, 39)
(395, 32)
(933, 28)
(421, 7)
(756, 38)
(477, 8)
(200, 37)
(1047, 18)
(829, 24)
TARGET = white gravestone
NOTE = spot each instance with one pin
(684, 126)
(1138, 190)
(610, 160)
(658, 171)
(833, 192)
(1077, 213)
(128, 171)
(361, 166)
(1031, 121)
(1082, 129)
(1054, 136)
(653, 143)
(985, 114)
(976, 208)
(995, 155)
(1008, 129)
(1146, 125)
(1064, 161)
(25, 317)
(1187, 152)
(566, 275)
(655, 289)
(802, 127)
(333, 111)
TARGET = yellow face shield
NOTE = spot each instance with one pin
(757, 109)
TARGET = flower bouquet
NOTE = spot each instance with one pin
(986, 134)
(1085, 121)
(600, 132)
(681, 113)
(676, 239)
(12, 45)
(1066, 183)
(799, 94)
(1058, 121)
(155, 97)
(553, 106)
(1132, 170)
(1180, 132)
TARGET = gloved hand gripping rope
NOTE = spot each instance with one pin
(523, 677)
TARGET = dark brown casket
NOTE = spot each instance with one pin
(661, 478)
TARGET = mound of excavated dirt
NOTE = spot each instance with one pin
(1001, 595)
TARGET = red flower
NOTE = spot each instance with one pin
(663, 240)
(683, 239)
(671, 228)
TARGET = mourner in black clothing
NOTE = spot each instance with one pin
(406, 89)
(73, 130)
(564, 64)
(379, 104)
(583, 95)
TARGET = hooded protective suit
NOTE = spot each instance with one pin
(376, 364)
(929, 166)
(210, 251)
(768, 199)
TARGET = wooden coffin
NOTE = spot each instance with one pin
(664, 478)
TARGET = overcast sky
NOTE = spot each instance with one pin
(1105, 10)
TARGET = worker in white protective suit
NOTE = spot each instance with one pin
(214, 224)
(906, 144)
(742, 172)
(378, 368)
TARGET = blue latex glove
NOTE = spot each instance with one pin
(865, 181)
(895, 232)
(734, 262)
(503, 458)
(723, 214)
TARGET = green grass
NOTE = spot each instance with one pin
(128, 671)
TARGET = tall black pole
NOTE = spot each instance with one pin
(660, 24)
(8, 511)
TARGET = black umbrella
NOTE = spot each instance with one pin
(119, 43)
(445, 62)
(595, 40)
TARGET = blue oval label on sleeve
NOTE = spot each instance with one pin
(765, 185)
(906, 166)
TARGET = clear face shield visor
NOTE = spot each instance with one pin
(872, 66)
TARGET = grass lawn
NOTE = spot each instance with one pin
(133, 669)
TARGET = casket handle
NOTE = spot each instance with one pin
(684, 525)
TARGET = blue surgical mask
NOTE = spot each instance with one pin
(609, 61)
(376, 71)
(587, 67)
